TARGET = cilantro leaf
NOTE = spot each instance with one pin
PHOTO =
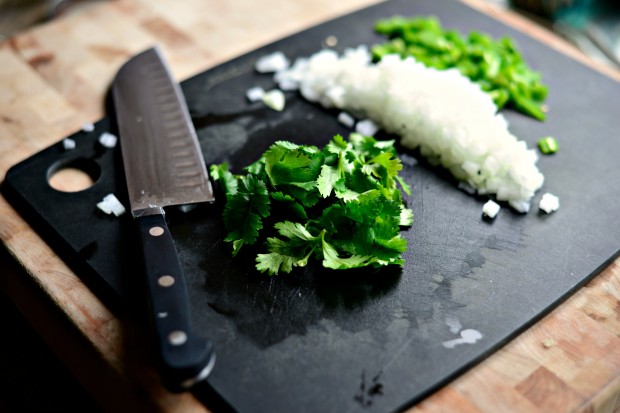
(227, 180)
(292, 165)
(244, 212)
(327, 179)
(273, 263)
(284, 254)
(331, 259)
(403, 184)
(257, 168)
(342, 192)
(372, 205)
(291, 205)
(386, 168)
(341, 205)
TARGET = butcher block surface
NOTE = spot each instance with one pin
(566, 362)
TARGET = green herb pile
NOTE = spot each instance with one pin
(340, 204)
(497, 66)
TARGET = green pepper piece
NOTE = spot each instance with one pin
(548, 145)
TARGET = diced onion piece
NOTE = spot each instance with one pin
(366, 127)
(346, 119)
(520, 206)
(273, 62)
(274, 99)
(334, 97)
(289, 79)
(255, 94)
(68, 144)
(88, 127)
(549, 203)
(288, 84)
(108, 140)
(490, 209)
(111, 205)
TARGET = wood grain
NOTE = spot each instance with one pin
(53, 79)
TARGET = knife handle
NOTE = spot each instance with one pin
(185, 358)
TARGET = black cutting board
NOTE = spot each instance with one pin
(318, 340)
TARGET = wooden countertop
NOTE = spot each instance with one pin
(52, 80)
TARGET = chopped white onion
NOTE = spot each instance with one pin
(549, 203)
(442, 113)
(289, 79)
(366, 127)
(288, 84)
(490, 209)
(68, 144)
(520, 206)
(346, 119)
(111, 205)
(274, 99)
(108, 140)
(273, 62)
(255, 94)
(88, 127)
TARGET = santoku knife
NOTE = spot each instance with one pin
(163, 167)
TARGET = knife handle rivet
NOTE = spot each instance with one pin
(165, 280)
(177, 338)
(156, 231)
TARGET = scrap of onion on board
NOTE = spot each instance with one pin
(441, 112)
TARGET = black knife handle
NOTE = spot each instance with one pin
(185, 358)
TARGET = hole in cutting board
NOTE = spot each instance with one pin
(74, 175)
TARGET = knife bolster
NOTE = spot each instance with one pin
(148, 211)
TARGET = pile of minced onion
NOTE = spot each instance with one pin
(448, 117)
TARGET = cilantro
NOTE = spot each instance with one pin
(340, 205)
(495, 65)
(287, 163)
(227, 180)
(244, 212)
(327, 180)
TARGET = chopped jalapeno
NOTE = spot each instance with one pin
(548, 145)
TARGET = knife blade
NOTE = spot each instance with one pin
(163, 167)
